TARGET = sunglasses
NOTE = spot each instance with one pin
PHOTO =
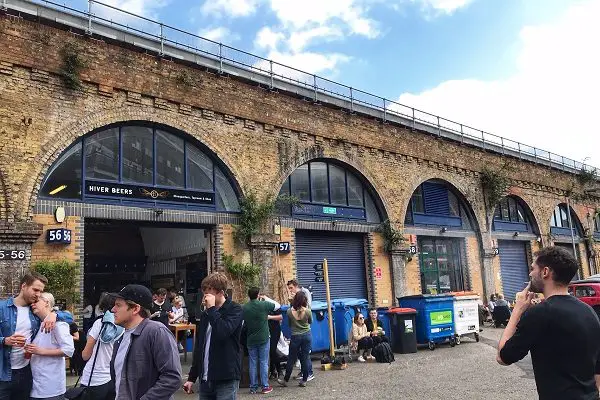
(361, 317)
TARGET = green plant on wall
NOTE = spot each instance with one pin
(255, 214)
(246, 274)
(63, 279)
(72, 65)
(495, 184)
(392, 237)
(586, 177)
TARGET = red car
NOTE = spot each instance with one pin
(588, 291)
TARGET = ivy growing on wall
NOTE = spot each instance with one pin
(72, 65)
(63, 279)
(586, 177)
(392, 237)
(495, 184)
(255, 214)
(245, 274)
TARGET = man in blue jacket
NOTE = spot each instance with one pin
(18, 325)
(218, 353)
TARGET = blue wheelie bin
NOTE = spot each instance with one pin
(344, 311)
(382, 314)
(435, 318)
(319, 327)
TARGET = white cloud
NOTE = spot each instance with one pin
(313, 63)
(219, 34)
(144, 8)
(232, 8)
(267, 38)
(299, 40)
(550, 102)
(442, 6)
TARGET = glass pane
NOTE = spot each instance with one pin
(102, 155)
(371, 209)
(137, 154)
(337, 180)
(299, 180)
(226, 197)
(498, 212)
(169, 160)
(563, 217)
(355, 191)
(430, 281)
(408, 218)
(505, 213)
(318, 182)
(64, 178)
(454, 205)
(521, 213)
(554, 221)
(427, 246)
(512, 204)
(417, 200)
(199, 169)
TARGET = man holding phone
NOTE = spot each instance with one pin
(20, 327)
(161, 308)
(218, 352)
(562, 333)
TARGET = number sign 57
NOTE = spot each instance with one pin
(284, 247)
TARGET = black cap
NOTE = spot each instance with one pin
(137, 293)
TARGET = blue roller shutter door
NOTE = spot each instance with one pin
(514, 268)
(436, 199)
(346, 261)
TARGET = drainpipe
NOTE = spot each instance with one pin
(573, 235)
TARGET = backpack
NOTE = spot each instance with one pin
(383, 353)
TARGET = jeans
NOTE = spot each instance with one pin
(19, 388)
(59, 397)
(259, 355)
(219, 390)
(300, 346)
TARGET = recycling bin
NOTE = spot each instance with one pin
(382, 314)
(319, 327)
(466, 315)
(403, 336)
(435, 318)
(344, 311)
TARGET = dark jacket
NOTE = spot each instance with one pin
(225, 351)
(151, 370)
(369, 324)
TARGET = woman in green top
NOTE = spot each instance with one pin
(300, 318)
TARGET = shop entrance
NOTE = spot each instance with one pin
(441, 267)
(173, 256)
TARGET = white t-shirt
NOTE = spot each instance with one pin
(17, 354)
(49, 380)
(177, 314)
(207, 352)
(98, 311)
(102, 368)
(120, 358)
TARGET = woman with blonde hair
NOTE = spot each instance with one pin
(361, 338)
(299, 317)
(47, 352)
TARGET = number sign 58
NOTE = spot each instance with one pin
(59, 236)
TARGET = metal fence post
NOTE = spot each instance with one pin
(315, 86)
(535, 154)
(462, 134)
(483, 139)
(162, 40)
(439, 129)
(89, 28)
(384, 111)
(220, 58)
(519, 148)
(351, 101)
(502, 143)
(271, 73)
(413, 119)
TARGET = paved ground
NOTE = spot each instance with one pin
(466, 372)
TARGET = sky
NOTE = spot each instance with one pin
(528, 70)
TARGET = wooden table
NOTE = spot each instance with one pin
(176, 328)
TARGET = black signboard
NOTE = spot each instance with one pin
(59, 235)
(121, 190)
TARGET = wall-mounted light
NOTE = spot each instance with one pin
(277, 229)
(539, 239)
(516, 234)
(444, 230)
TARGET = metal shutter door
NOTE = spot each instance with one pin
(436, 199)
(345, 258)
(514, 268)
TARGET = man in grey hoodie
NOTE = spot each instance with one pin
(145, 363)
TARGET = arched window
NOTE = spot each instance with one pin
(436, 203)
(511, 216)
(559, 222)
(327, 190)
(140, 164)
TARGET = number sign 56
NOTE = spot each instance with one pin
(59, 236)
(12, 254)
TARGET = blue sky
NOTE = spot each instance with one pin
(523, 69)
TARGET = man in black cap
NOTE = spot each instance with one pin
(145, 362)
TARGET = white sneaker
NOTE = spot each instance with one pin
(297, 365)
(361, 359)
(310, 378)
